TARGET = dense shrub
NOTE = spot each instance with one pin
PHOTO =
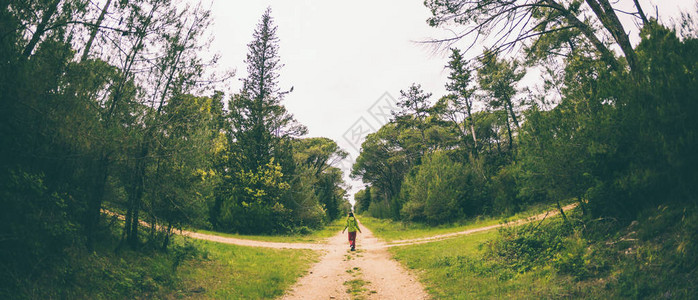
(434, 192)
(520, 248)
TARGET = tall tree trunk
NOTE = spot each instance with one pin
(141, 158)
(40, 29)
(472, 131)
(562, 212)
(166, 242)
(472, 124)
(510, 108)
(95, 30)
(136, 194)
(94, 205)
(641, 12)
(511, 138)
(499, 144)
(131, 212)
(588, 32)
(604, 11)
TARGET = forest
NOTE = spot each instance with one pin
(613, 132)
(610, 129)
(112, 108)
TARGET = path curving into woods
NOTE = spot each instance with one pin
(369, 273)
(328, 244)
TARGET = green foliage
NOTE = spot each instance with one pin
(63, 270)
(362, 200)
(617, 142)
(273, 180)
(652, 257)
(520, 248)
(615, 137)
(663, 258)
(646, 258)
(380, 209)
(644, 161)
(119, 127)
(386, 157)
(579, 260)
(433, 193)
(309, 212)
(37, 227)
(314, 157)
(296, 236)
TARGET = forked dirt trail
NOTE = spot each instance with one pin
(367, 238)
(383, 277)
(375, 274)
(368, 273)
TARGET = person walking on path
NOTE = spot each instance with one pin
(353, 226)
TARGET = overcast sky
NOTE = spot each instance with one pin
(342, 57)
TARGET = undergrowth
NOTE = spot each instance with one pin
(652, 257)
(186, 269)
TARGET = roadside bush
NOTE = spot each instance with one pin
(37, 227)
(520, 248)
(653, 257)
(583, 259)
(663, 261)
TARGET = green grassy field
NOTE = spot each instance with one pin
(391, 231)
(313, 237)
(236, 272)
(456, 269)
(593, 259)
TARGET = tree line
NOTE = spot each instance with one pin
(111, 104)
(614, 132)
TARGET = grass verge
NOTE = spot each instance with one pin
(235, 272)
(653, 257)
(457, 269)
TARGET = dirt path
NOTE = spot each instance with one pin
(252, 243)
(479, 229)
(371, 269)
(368, 273)
(369, 243)
(231, 240)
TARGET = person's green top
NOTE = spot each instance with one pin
(352, 225)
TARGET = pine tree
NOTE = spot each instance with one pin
(459, 85)
(259, 119)
(262, 131)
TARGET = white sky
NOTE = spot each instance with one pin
(342, 57)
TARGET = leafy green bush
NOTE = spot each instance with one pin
(434, 191)
(664, 259)
(520, 248)
(583, 259)
(36, 229)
